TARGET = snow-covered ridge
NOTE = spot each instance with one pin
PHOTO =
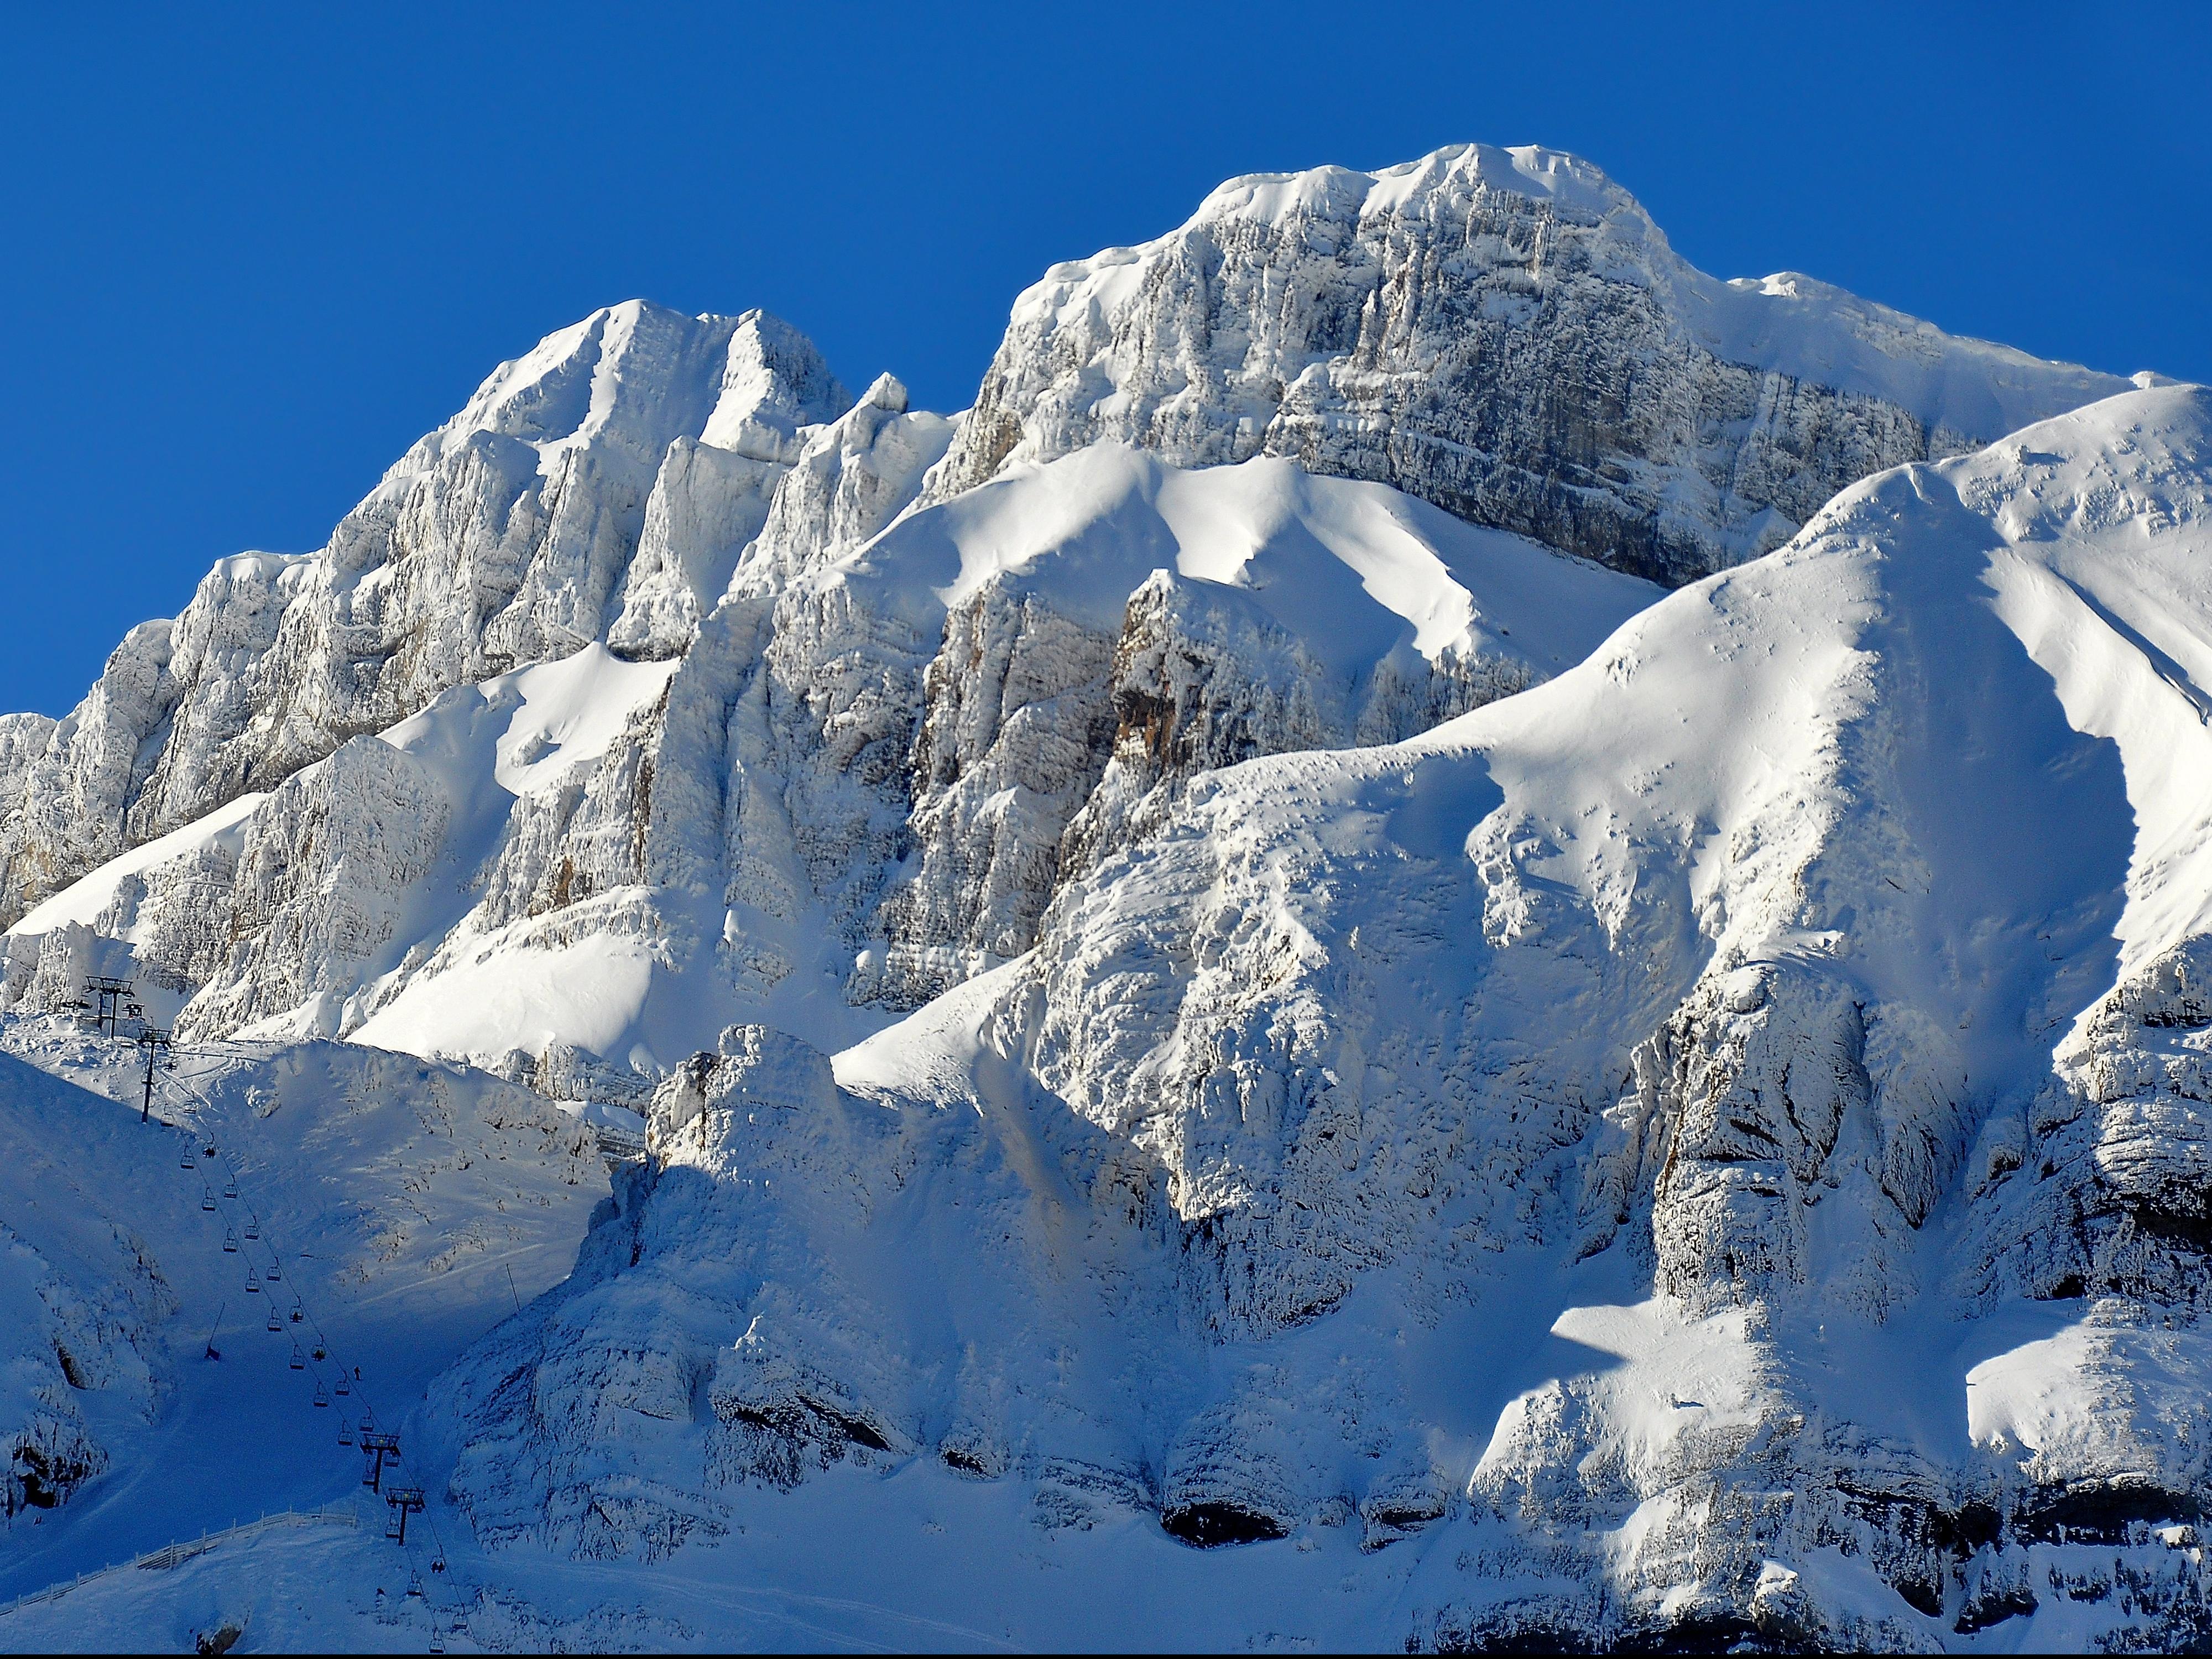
(1787, 322)
(1229, 1052)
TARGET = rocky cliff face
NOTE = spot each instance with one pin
(1505, 333)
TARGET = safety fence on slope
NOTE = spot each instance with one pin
(172, 1555)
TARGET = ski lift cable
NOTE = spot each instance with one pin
(234, 1186)
(358, 1384)
(222, 1152)
(234, 1192)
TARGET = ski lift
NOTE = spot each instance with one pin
(275, 1324)
(322, 1399)
(438, 1561)
(229, 1242)
(319, 1352)
(275, 1268)
(299, 1360)
(437, 1640)
(298, 1312)
(185, 1161)
(253, 1284)
(253, 1226)
(368, 1420)
(343, 1386)
(414, 1584)
(345, 1431)
(207, 1198)
(230, 1188)
(208, 1150)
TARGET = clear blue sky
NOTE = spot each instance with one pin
(252, 252)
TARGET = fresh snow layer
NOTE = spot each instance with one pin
(1351, 570)
(1385, 1155)
(1393, 1142)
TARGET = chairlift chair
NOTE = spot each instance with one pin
(229, 1242)
(415, 1584)
(345, 1433)
(275, 1324)
(253, 1283)
(275, 1268)
(298, 1313)
(185, 1161)
(299, 1360)
(230, 1188)
(319, 1352)
(344, 1387)
(322, 1399)
(253, 1226)
(207, 1198)
(208, 1150)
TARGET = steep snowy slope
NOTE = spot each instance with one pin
(570, 872)
(403, 1208)
(1709, 1146)
(1503, 333)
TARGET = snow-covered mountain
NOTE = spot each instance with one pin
(1710, 1144)
(1199, 970)
(826, 818)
